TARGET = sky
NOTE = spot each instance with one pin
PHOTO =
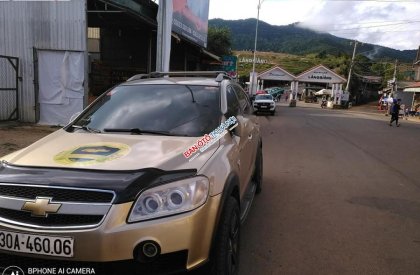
(390, 23)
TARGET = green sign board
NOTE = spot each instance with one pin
(229, 64)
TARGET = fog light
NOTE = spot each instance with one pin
(147, 251)
(150, 250)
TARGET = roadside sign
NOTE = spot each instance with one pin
(229, 64)
(190, 19)
(345, 97)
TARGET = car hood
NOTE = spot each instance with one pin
(111, 152)
(264, 101)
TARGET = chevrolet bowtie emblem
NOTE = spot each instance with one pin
(41, 207)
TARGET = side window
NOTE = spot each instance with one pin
(233, 108)
(244, 103)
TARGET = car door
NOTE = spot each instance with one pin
(251, 134)
(241, 140)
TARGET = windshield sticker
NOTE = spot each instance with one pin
(90, 154)
(209, 139)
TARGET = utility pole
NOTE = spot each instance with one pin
(253, 78)
(351, 66)
(163, 39)
(394, 79)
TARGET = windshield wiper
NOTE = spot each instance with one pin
(138, 131)
(86, 128)
(192, 94)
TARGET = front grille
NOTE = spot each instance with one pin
(66, 196)
(170, 263)
(263, 104)
(59, 194)
(51, 220)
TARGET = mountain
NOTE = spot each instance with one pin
(293, 39)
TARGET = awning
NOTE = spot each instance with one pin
(370, 78)
(108, 12)
(324, 92)
(412, 90)
(215, 57)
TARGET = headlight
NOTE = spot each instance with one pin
(169, 199)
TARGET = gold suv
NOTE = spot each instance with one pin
(153, 177)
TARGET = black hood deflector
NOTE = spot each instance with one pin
(126, 184)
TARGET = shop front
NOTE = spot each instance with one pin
(317, 78)
(415, 91)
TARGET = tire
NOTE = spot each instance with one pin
(272, 113)
(225, 256)
(258, 173)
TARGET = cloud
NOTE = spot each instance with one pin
(385, 24)
(360, 20)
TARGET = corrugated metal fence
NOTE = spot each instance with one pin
(9, 88)
(27, 26)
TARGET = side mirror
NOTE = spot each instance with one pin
(240, 126)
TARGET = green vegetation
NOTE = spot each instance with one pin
(297, 50)
(299, 41)
(294, 64)
(340, 64)
(219, 40)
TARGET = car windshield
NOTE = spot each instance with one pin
(172, 109)
(275, 90)
(263, 97)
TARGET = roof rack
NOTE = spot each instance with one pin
(220, 75)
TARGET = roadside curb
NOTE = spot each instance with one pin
(414, 120)
(354, 111)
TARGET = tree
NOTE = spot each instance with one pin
(219, 41)
(322, 54)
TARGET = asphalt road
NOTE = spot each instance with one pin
(341, 195)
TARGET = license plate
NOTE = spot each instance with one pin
(36, 244)
(263, 106)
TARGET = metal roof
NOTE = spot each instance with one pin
(108, 13)
(334, 77)
(414, 87)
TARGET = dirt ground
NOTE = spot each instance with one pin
(14, 136)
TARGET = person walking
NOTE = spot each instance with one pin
(324, 103)
(395, 111)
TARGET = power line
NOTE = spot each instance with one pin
(374, 31)
(378, 1)
(377, 26)
(361, 23)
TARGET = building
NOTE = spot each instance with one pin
(307, 83)
(54, 54)
(416, 65)
(412, 90)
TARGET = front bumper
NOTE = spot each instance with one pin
(115, 240)
(267, 108)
